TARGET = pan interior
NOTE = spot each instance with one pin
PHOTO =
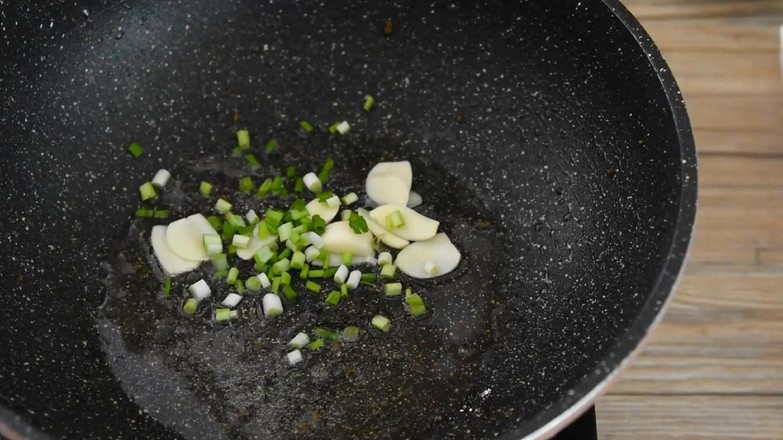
(541, 119)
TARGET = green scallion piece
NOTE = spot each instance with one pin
(290, 172)
(394, 220)
(243, 139)
(329, 273)
(298, 260)
(231, 250)
(347, 258)
(415, 305)
(167, 287)
(316, 274)
(304, 272)
(326, 334)
(313, 287)
(147, 191)
(190, 306)
(135, 149)
(222, 315)
(392, 289)
(276, 284)
(253, 284)
(289, 293)
(349, 198)
(284, 254)
(282, 265)
(285, 278)
(368, 278)
(299, 186)
(333, 298)
(246, 185)
(284, 231)
(344, 290)
(236, 220)
(237, 151)
(351, 333)
(316, 345)
(271, 145)
(240, 286)
(223, 206)
(358, 223)
(144, 212)
(324, 196)
(263, 255)
(273, 217)
(160, 213)
(369, 101)
(233, 274)
(205, 188)
(216, 222)
(388, 271)
(306, 126)
(318, 225)
(326, 170)
(252, 161)
(381, 322)
(264, 189)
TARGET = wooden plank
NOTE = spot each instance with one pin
(750, 142)
(722, 334)
(740, 171)
(725, 36)
(770, 258)
(735, 112)
(692, 9)
(690, 417)
(710, 73)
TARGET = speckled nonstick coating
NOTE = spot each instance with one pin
(559, 119)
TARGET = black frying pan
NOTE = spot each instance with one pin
(549, 136)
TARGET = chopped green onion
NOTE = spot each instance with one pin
(299, 186)
(381, 322)
(304, 272)
(323, 256)
(324, 196)
(237, 151)
(299, 341)
(253, 283)
(271, 304)
(264, 189)
(285, 278)
(306, 126)
(341, 275)
(252, 217)
(333, 127)
(263, 255)
(388, 270)
(353, 280)
(228, 231)
(231, 249)
(347, 258)
(316, 345)
(225, 314)
(276, 284)
(213, 244)
(135, 149)
(240, 286)
(333, 298)
(318, 225)
(351, 333)
(235, 220)
(326, 334)
(345, 215)
(252, 161)
(282, 265)
(313, 287)
(313, 183)
(271, 145)
(316, 274)
(394, 220)
(167, 287)
(223, 206)
(349, 198)
(393, 289)
(298, 260)
(284, 231)
(262, 230)
(233, 273)
(240, 241)
(273, 217)
(344, 290)
(384, 258)
(290, 172)
(368, 278)
(285, 254)
(190, 306)
(147, 191)
(243, 139)
(369, 101)
(326, 170)
(329, 273)
(205, 188)
(358, 223)
(220, 274)
(144, 212)
(415, 305)
(161, 213)
(216, 222)
(246, 184)
(289, 293)
(343, 127)
(219, 261)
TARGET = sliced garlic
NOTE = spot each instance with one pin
(390, 183)
(254, 245)
(170, 262)
(185, 237)
(429, 259)
(326, 212)
(340, 238)
(414, 199)
(417, 227)
(388, 238)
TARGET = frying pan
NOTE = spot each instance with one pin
(548, 136)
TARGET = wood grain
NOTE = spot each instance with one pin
(714, 368)
(746, 417)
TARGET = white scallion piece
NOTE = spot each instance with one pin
(161, 178)
(335, 260)
(294, 357)
(349, 198)
(430, 258)
(200, 290)
(417, 227)
(312, 182)
(231, 300)
(185, 237)
(345, 215)
(170, 262)
(240, 241)
(385, 258)
(299, 341)
(340, 238)
(311, 253)
(333, 202)
(341, 275)
(326, 212)
(272, 305)
(264, 280)
(414, 199)
(314, 239)
(343, 127)
(213, 244)
(354, 279)
(389, 183)
(252, 217)
(388, 238)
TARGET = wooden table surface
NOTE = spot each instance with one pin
(714, 368)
